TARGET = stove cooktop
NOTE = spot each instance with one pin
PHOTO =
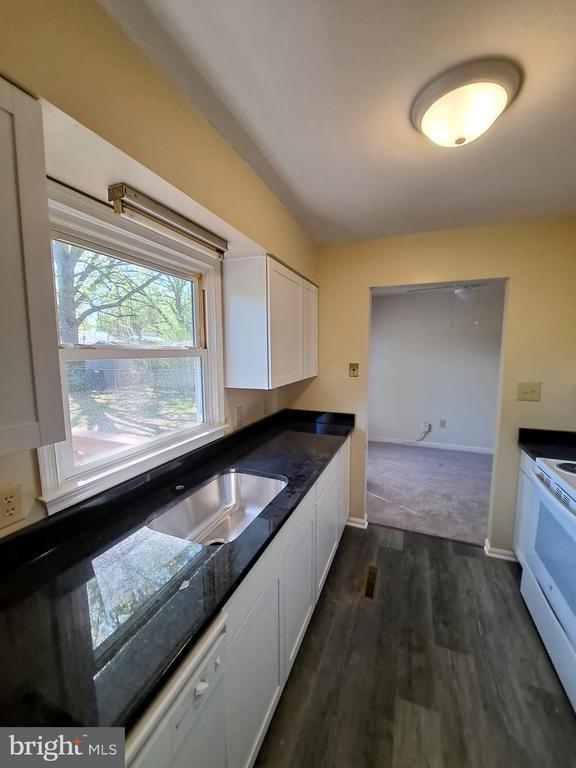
(561, 472)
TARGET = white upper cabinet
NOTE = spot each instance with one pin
(285, 347)
(31, 408)
(270, 324)
(310, 330)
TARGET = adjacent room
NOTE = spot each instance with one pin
(433, 381)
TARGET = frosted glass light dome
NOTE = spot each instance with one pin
(464, 102)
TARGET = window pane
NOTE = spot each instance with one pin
(119, 404)
(102, 300)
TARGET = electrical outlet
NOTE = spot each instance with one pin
(426, 427)
(238, 416)
(11, 510)
(354, 370)
(442, 424)
(528, 390)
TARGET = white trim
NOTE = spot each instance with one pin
(73, 213)
(357, 522)
(111, 352)
(57, 496)
(78, 217)
(429, 444)
(500, 554)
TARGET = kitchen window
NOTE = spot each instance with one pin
(140, 349)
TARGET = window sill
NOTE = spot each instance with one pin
(83, 487)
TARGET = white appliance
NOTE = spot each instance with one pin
(549, 578)
(185, 726)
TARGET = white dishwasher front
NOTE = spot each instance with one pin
(185, 726)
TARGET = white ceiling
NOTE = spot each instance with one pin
(315, 95)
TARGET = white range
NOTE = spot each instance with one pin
(549, 576)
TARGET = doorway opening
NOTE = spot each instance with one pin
(433, 380)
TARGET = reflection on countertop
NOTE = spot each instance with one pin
(96, 608)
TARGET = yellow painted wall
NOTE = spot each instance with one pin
(539, 335)
(71, 54)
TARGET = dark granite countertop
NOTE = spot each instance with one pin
(548, 443)
(96, 609)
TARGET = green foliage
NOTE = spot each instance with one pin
(101, 298)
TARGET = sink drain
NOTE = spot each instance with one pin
(215, 542)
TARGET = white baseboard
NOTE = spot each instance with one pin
(500, 554)
(429, 444)
(357, 522)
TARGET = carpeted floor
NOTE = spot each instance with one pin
(429, 490)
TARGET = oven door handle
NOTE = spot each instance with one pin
(551, 497)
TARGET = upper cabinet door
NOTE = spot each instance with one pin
(310, 330)
(284, 325)
(31, 407)
(270, 324)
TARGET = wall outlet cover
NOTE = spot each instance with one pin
(442, 424)
(529, 390)
(354, 370)
(11, 509)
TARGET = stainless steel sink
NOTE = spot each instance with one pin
(218, 511)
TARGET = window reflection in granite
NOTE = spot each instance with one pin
(128, 575)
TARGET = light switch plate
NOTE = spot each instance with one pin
(354, 370)
(528, 390)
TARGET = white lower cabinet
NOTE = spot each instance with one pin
(255, 642)
(299, 592)
(254, 676)
(524, 515)
(327, 529)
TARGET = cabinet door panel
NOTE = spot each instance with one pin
(525, 517)
(344, 485)
(327, 508)
(17, 403)
(285, 325)
(254, 676)
(31, 407)
(310, 330)
(299, 589)
(245, 323)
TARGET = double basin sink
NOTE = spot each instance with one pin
(219, 510)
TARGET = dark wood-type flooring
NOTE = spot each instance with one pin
(442, 668)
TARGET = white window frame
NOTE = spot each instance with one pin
(81, 220)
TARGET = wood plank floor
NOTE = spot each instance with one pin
(442, 668)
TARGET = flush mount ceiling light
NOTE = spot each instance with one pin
(462, 103)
